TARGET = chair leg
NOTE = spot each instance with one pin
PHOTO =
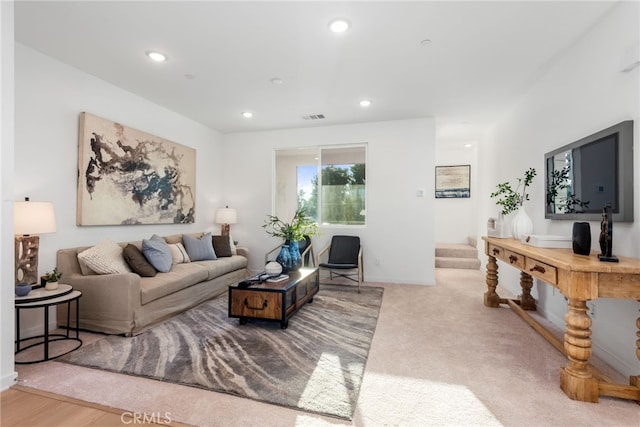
(359, 273)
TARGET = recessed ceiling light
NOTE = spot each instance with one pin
(276, 81)
(157, 56)
(365, 103)
(247, 114)
(425, 42)
(339, 25)
(468, 145)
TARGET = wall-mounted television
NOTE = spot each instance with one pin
(582, 177)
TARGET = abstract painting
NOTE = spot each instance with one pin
(453, 181)
(129, 177)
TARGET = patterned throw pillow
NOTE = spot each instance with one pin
(84, 268)
(157, 252)
(178, 253)
(105, 258)
(137, 261)
(199, 249)
(222, 246)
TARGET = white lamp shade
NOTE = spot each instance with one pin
(226, 216)
(33, 218)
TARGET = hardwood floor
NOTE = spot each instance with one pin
(21, 406)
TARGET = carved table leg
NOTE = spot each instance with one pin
(575, 379)
(634, 380)
(527, 302)
(491, 298)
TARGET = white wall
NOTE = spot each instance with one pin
(49, 97)
(7, 326)
(398, 239)
(582, 92)
(456, 218)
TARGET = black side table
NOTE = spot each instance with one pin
(41, 298)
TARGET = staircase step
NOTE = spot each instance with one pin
(460, 263)
(473, 241)
(455, 250)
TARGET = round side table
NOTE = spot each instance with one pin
(41, 298)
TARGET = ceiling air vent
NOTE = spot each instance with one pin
(313, 117)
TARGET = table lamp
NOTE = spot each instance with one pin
(226, 216)
(30, 219)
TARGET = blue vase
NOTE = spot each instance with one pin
(23, 289)
(284, 258)
(296, 259)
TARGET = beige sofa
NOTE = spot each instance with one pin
(129, 304)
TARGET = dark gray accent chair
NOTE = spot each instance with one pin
(344, 258)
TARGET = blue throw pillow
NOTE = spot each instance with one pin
(157, 252)
(199, 249)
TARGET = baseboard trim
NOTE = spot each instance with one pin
(8, 381)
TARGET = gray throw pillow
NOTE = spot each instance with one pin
(137, 261)
(199, 249)
(157, 252)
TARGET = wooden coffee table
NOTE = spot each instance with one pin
(274, 301)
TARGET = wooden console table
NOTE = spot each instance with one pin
(579, 278)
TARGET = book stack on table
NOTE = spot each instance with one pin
(279, 278)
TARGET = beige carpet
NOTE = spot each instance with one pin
(438, 358)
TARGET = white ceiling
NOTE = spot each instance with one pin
(482, 58)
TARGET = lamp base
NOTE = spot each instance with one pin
(224, 229)
(27, 259)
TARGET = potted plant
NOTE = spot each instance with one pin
(512, 200)
(51, 278)
(300, 228)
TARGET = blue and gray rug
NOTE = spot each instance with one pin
(315, 365)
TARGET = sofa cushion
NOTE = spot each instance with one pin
(222, 266)
(178, 253)
(199, 249)
(138, 263)
(180, 277)
(176, 238)
(157, 252)
(222, 246)
(104, 258)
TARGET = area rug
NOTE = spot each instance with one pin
(315, 365)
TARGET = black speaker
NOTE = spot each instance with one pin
(581, 238)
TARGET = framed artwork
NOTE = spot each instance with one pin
(129, 177)
(453, 182)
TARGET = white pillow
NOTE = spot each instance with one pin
(105, 258)
(84, 268)
(178, 253)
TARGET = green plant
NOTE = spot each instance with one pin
(300, 226)
(509, 199)
(53, 275)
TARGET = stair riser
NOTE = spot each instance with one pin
(465, 264)
(457, 253)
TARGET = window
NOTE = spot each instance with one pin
(327, 182)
